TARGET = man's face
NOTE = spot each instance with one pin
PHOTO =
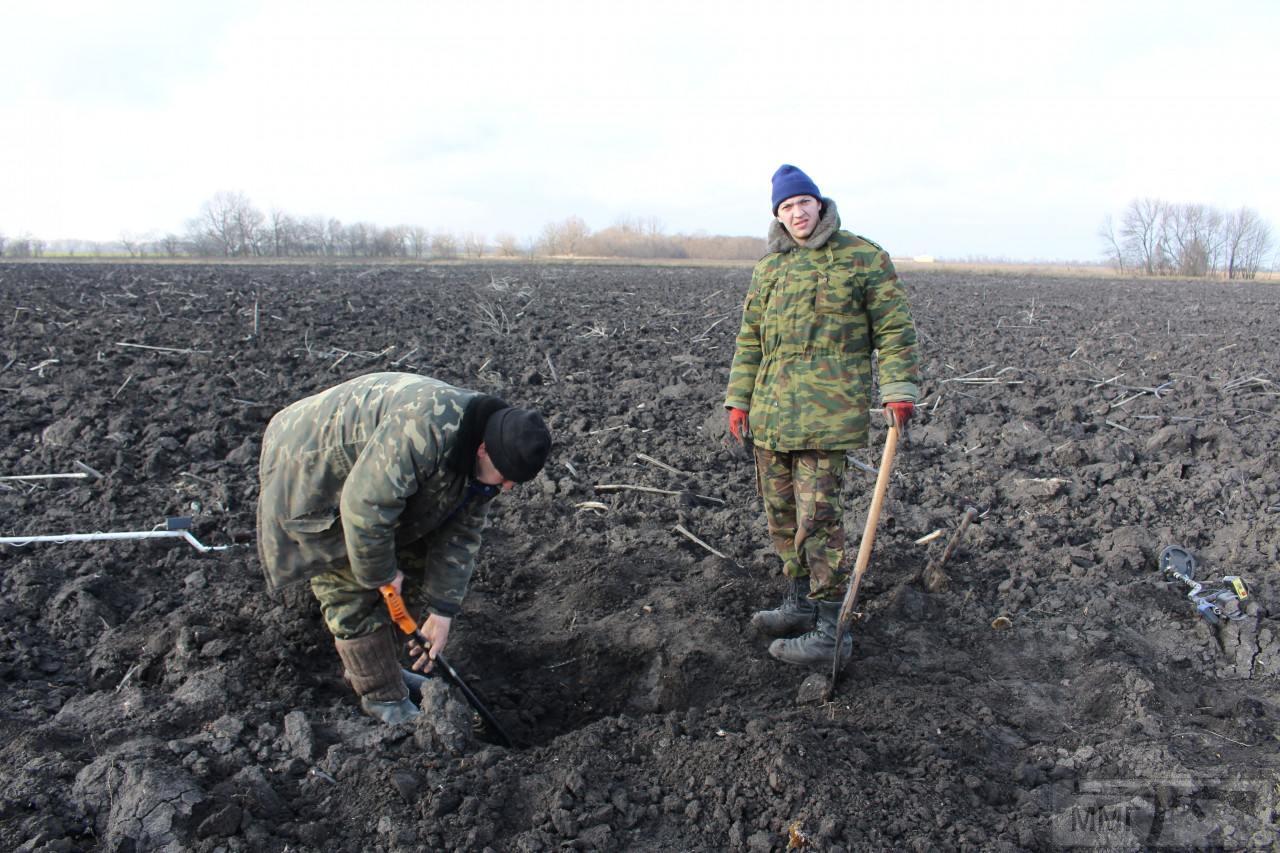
(799, 215)
(488, 473)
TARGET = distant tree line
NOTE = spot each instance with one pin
(229, 225)
(1157, 237)
(643, 238)
(25, 246)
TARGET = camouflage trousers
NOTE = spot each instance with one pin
(351, 610)
(802, 503)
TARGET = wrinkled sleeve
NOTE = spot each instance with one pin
(893, 334)
(746, 351)
(382, 479)
(451, 558)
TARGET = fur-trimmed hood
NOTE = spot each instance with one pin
(780, 240)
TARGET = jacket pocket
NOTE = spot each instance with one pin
(318, 536)
(836, 294)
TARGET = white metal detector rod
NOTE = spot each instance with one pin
(63, 538)
(77, 476)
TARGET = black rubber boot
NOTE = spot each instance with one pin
(373, 671)
(793, 616)
(819, 645)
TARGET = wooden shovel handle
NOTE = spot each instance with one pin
(877, 501)
(864, 549)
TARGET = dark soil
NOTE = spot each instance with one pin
(152, 697)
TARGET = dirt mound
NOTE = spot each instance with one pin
(155, 698)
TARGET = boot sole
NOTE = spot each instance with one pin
(778, 651)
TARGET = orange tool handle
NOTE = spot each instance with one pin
(395, 604)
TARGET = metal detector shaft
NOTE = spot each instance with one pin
(61, 538)
(864, 551)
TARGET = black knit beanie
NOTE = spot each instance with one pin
(518, 442)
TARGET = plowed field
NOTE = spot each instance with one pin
(156, 698)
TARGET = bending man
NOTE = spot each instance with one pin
(381, 478)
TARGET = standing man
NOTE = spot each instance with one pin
(820, 303)
(385, 477)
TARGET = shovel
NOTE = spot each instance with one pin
(400, 615)
(864, 553)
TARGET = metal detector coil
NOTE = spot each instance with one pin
(1213, 606)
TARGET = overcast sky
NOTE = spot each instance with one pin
(954, 129)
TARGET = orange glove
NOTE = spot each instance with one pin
(899, 413)
(738, 425)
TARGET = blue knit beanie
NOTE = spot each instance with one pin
(789, 181)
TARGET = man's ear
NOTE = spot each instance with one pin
(482, 452)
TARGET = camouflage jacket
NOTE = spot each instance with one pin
(354, 474)
(812, 317)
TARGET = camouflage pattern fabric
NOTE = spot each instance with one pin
(801, 494)
(355, 475)
(812, 317)
(351, 610)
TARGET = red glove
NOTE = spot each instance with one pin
(738, 426)
(899, 413)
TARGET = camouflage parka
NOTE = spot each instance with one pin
(812, 317)
(353, 475)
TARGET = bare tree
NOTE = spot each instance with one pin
(565, 237)
(307, 236)
(283, 233)
(2, 242)
(1141, 230)
(170, 244)
(549, 242)
(357, 239)
(444, 245)
(508, 246)
(574, 232)
(652, 227)
(1248, 239)
(228, 225)
(129, 243)
(249, 230)
(1192, 234)
(419, 240)
(332, 236)
(389, 242)
(473, 244)
(1115, 255)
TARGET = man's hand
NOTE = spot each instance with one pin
(897, 414)
(738, 425)
(431, 639)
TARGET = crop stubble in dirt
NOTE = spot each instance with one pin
(154, 698)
